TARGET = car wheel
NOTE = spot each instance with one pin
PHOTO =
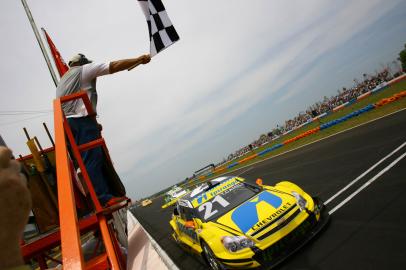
(210, 258)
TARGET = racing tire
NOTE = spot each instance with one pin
(211, 259)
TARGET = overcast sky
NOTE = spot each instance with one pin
(239, 69)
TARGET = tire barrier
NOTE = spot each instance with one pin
(346, 117)
(247, 158)
(378, 88)
(391, 99)
(367, 108)
(302, 135)
(220, 169)
(232, 165)
(276, 146)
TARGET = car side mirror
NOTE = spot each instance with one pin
(190, 224)
(259, 182)
(198, 223)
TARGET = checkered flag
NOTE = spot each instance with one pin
(162, 34)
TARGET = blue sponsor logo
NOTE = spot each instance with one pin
(246, 215)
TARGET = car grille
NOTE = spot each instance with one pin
(287, 244)
(274, 221)
(280, 225)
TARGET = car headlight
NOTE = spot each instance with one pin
(235, 243)
(300, 201)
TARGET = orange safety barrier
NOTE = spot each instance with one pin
(302, 135)
(393, 98)
(247, 158)
(400, 95)
(219, 169)
(381, 102)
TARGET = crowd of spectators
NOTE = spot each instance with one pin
(368, 83)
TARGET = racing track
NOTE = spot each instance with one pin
(367, 232)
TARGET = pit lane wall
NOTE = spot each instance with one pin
(323, 126)
(143, 251)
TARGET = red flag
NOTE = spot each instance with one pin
(58, 60)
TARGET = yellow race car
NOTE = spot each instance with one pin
(173, 195)
(233, 224)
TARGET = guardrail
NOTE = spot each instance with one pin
(143, 251)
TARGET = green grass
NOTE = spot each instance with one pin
(355, 121)
(363, 118)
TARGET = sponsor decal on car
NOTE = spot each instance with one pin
(246, 216)
(274, 215)
(189, 232)
(249, 215)
(204, 197)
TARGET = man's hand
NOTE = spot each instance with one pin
(143, 59)
(128, 64)
(15, 204)
(146, 58)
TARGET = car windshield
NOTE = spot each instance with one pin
(225, 201)
(167, 198)
(178, 193)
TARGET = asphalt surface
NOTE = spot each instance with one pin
(367, 232)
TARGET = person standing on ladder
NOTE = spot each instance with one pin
(82, 75)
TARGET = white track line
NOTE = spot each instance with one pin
(370, 181)
(247, 170)
(324, 138)
(365, 173)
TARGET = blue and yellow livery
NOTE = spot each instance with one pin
(236, 225)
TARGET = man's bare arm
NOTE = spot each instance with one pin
(128, 64)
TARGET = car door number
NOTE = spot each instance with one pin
(208, 206)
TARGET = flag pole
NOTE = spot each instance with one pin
(41, 44)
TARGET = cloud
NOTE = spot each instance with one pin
(249, 86)
(230, 58)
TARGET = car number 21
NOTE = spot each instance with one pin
(208, 206)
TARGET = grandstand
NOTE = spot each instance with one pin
(368, 83)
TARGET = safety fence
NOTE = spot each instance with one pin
(329, 124)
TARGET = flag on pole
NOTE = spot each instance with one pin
(58, 60)
(162, 34)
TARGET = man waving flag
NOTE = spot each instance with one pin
(162, 34)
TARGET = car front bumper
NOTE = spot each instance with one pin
(286, 246)
(279, 251)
